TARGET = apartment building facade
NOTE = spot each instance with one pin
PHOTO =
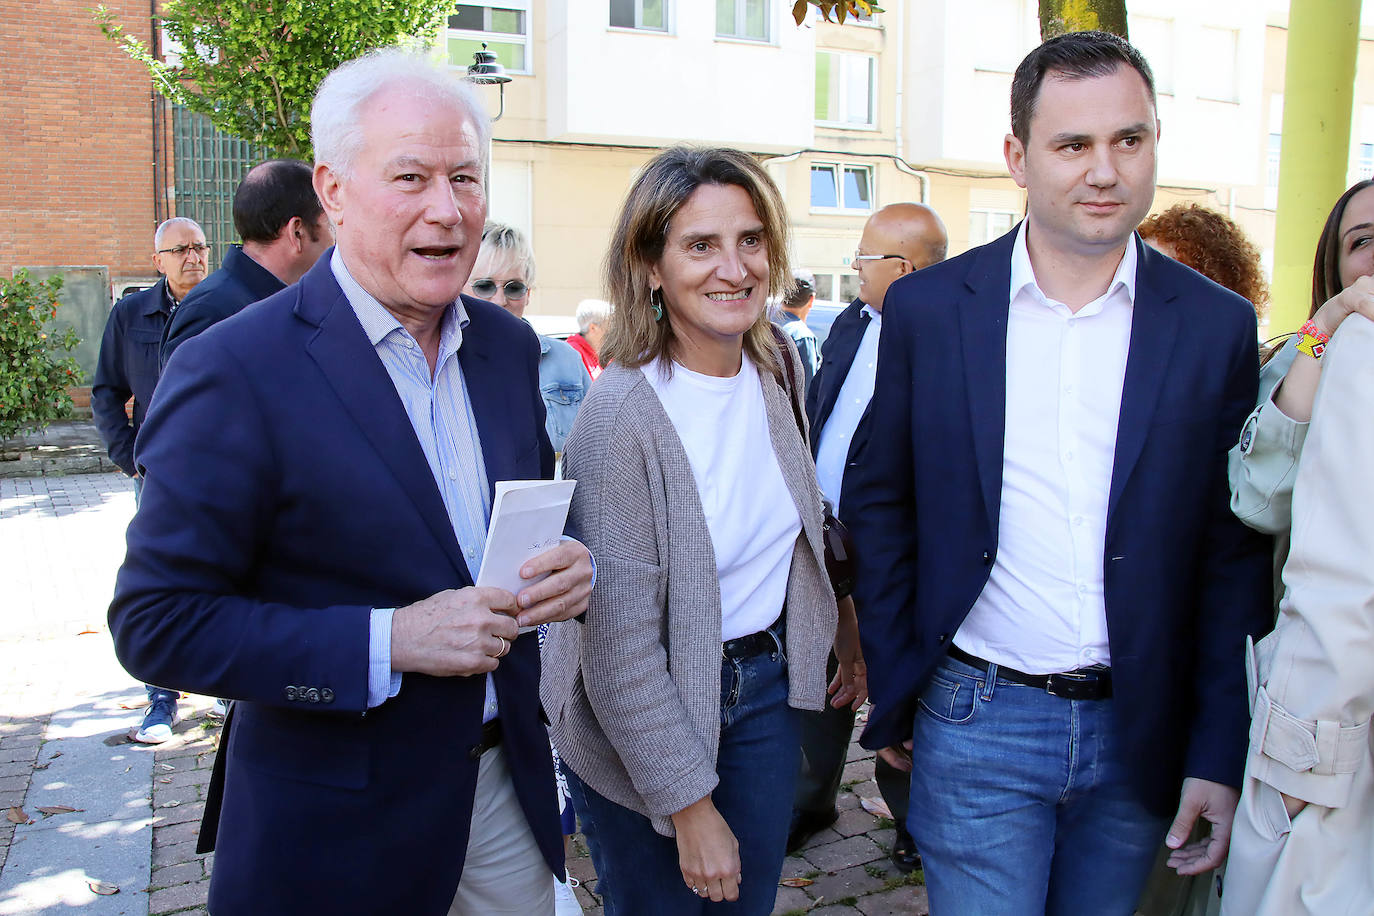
(910, 104)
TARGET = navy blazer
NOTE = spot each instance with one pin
(837, 355)
(239, 282)
(128, 367)
(286, 496)
(1185, 581)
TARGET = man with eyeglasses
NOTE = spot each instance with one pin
(128, 368)
(898, 239)
(284, 232)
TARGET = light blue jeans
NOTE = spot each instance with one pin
(1020, 802)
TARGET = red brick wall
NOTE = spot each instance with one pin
(76, 149)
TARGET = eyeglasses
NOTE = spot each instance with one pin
(514, 289)
(199, 249)
(878, 257)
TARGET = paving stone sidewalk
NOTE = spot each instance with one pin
(66, 709)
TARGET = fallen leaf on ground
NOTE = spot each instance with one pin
(89, 633)
(165, 779)
(16, 815)
(876, 807)
(50, 810)
(55, 755)
(170, 804)
(41, 766)
(103, 889)
(166, 766)
(796, 882)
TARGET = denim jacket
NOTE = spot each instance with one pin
(564, 382)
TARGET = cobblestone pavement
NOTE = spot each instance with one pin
(66, 709)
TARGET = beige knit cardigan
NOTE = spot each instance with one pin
(633, 690)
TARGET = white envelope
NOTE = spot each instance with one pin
(527, 518)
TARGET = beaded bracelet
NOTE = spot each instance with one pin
(1313, 341)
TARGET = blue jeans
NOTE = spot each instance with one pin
(1021, 804)
(637, 869)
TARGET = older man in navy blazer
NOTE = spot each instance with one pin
(319, 475)
(1055, 596)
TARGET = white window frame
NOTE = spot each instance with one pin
(639, 20)
(838, 170)
(496, 37)
(1231, 93)
(738, 35)
(989, 213)
(840, 73)
(1001, 51)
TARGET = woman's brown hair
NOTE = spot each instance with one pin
(1326, 269)
(635, 337)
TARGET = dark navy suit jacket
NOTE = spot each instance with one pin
(239, 282)
(128, 367)
(837, 355)
(1185, 581)
(287, 495)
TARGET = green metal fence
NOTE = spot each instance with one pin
(208, 166)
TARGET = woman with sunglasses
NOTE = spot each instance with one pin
(504, 274)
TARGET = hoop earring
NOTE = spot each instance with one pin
(656, 303)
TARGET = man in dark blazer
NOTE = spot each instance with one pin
(1055, 596)
(284, 232)
(897, 240)
(128, 368)
(319, 475)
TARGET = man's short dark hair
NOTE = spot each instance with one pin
(271, 193)
(1075, 56)
(800, 292)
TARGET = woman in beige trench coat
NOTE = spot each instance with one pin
(1303, 838)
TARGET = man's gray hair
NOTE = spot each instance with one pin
(590, 312)
(185, 222)
(335, 121)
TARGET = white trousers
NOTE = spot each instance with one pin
(505, 873)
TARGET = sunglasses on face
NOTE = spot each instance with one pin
(514, 289)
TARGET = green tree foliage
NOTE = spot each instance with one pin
(252, 66)
(840, 9)
(35, 369)
(1058, 17)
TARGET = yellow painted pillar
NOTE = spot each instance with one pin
(1318, 93)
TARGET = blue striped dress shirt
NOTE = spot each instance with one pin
(440, 412)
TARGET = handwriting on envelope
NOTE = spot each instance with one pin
(527, 518)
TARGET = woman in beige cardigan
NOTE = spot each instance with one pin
(1303, 840)
(673, 701)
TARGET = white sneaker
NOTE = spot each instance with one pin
(565, 898)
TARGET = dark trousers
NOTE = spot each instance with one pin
(825, 738)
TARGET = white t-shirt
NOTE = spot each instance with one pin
(723, 425)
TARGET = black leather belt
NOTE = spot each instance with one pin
(751, 645)
(491, 737)
(1084, 684)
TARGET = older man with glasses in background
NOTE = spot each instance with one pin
(128, 368)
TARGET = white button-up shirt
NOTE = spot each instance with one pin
(1043, 609)
(850, 404)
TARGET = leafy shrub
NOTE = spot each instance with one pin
(35, 369)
